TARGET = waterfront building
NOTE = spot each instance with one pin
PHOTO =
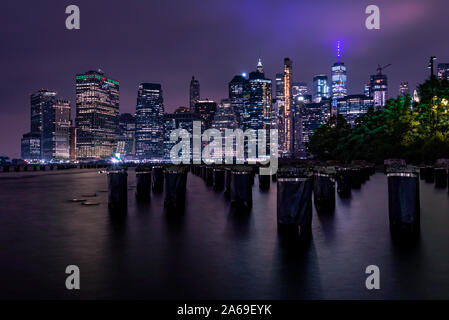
(97, 111)
(55, 141)
(149, 122)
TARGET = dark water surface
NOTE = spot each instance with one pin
(210, 252)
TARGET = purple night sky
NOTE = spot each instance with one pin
(168, 41)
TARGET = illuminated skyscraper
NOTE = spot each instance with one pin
(239, 97)
(404, 89)
(258, 110)
(39, 101)
(56, 131)
(353, 106)
(379, 89)
(97, 111)
(320, 88)
(194, 92)
(339, 77)
(205, 110)
(286, 112)
(149, 122)
(126, 134)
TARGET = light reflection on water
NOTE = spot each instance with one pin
(211, 251)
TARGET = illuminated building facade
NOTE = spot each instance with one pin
(149, 120)
(56, 125)
(239, 97)
(258, 110)
(353, 106)
(39, 101)
(125, 134)
(97, 111)
(31, 146)
(286, 111)
(205, 110)
(313, 115)
(379, 90)
(339, 77)
(320, 88)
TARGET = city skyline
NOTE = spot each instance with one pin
(204, 55)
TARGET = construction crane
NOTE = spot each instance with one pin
(379, 68)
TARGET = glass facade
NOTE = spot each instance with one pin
(125, 134)
(149, 122)
(339, 80)
(320, 88)
(353, 106)
(379, 90)
(97, 111)
(239, 97)
(56, 131)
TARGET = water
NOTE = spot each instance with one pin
(210, 252)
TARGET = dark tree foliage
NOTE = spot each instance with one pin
(417, 132)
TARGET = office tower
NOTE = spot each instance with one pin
(97, 110)
(225, 118)
(182, 118)
(149, 122)
(205, 110)
(258, 110)
(379, 89)
(312, 116)
(194, 92)
(320, 88)
(31, 147)
(286, 112)
(239, 97)
(352, 107)
(404, 89)
(39, 101)
(339, 77)
(56, 124)
(443, 71)
(125, 134)
(299, 89)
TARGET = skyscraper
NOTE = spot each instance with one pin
(379, 89)
(320, 88)
(239, 97)
(56, 131)
(125, 134)
(39, 101)
(205, 110)
(31, 146)
(353, 106)
(339, 77)
(149, 122)
(258, 110)
(286, 113)
(404, 89)
(194, 92)
(97, 110)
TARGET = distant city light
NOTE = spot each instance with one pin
(244, 74)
